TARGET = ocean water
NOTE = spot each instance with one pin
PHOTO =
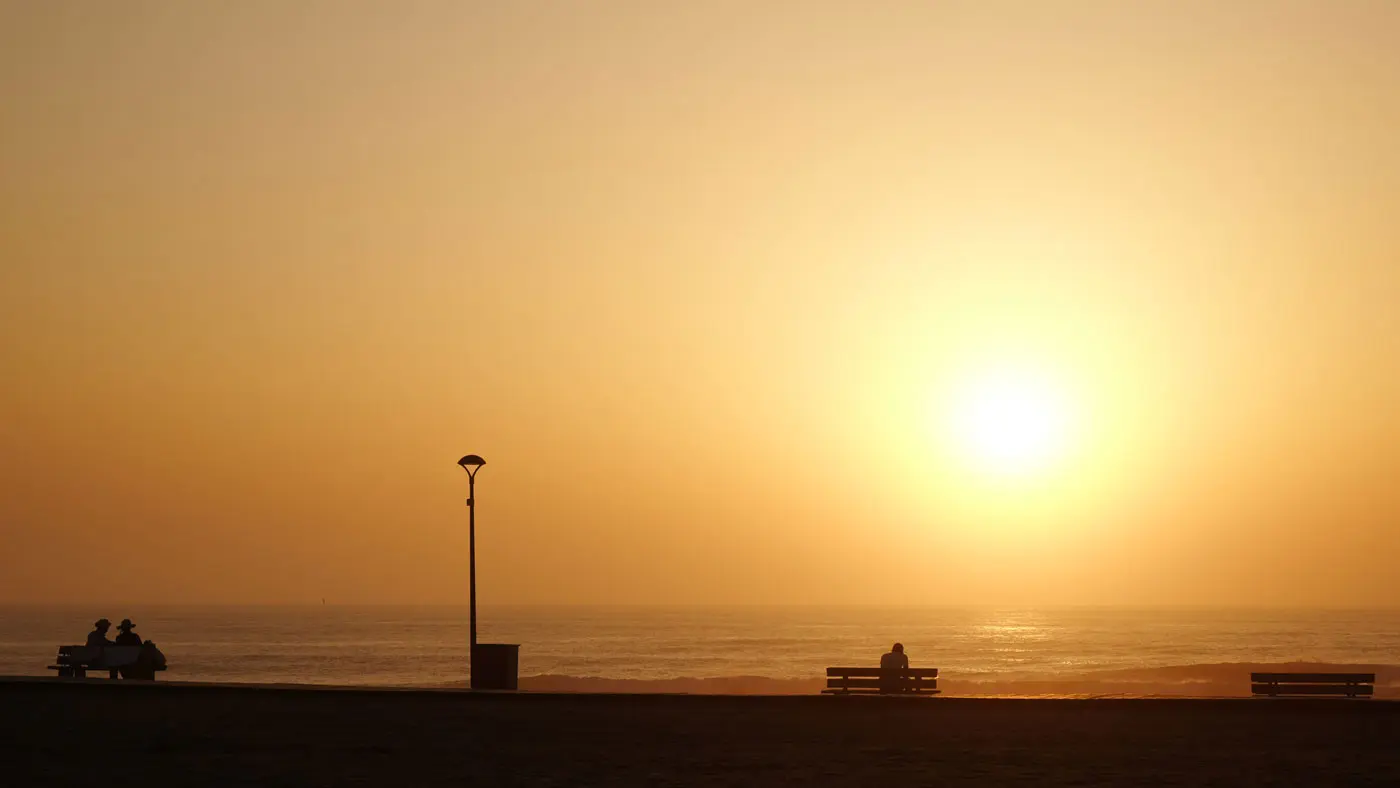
(733, 649)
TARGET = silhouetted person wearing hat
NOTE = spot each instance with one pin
(146, 661)
(127, 636)
(893, 668)
(97, 638)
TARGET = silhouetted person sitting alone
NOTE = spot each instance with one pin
(127, 636)
(893, 667)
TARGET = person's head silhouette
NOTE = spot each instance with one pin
(898, 648)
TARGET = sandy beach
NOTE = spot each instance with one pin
(77, 733)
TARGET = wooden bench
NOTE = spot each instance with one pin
(76, 661)
(869, 681)
(1351, 685)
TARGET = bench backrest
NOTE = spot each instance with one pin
(77, 655)
(1349, 684)
(872, 679)
(875, 673)
(106, 656)
(1314, 678)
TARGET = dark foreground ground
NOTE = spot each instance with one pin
(56, 733)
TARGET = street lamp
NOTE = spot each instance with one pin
(471, 464)
(494, 666)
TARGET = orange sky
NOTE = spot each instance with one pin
(699, 281)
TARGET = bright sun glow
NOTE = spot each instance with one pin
(1011, 423)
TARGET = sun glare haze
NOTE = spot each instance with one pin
(1011, 423)
(927, 302)
(568, 351)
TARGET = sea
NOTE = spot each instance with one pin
(752, 649)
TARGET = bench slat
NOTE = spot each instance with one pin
(1312, 689)
(1314, 678)
(875, 673)
(876, 684)
(78, 653)
(108, 657)
(920, 694)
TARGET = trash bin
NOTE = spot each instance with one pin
(495, 666)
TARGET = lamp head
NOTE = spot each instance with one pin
(471, 463)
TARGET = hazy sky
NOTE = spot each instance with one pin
(702, 282)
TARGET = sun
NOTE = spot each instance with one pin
(1011, 422)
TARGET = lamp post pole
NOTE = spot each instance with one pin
(494, 666)
(471, 553)
(471, 464)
